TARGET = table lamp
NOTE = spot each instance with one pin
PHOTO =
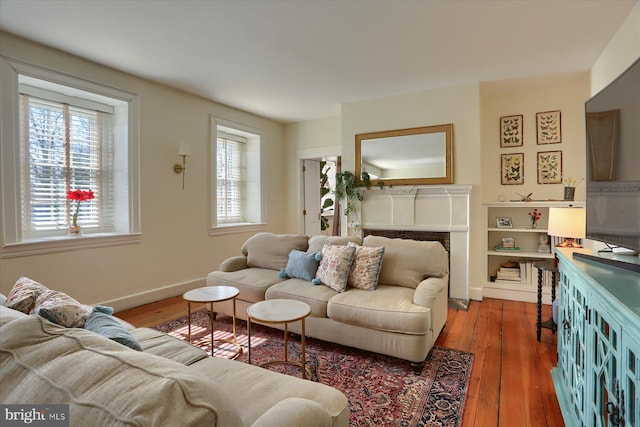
(568, 223)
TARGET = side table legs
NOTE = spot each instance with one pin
(539, 309)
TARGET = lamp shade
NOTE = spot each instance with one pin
(567, 222)
(184, 150)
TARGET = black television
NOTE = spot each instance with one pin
(612, 119)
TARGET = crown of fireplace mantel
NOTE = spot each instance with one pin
(426, 208)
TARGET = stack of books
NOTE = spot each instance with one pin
(522, 271)
(510, 274)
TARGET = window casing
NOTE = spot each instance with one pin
(62, 133)
(237, 187)
(64, 147)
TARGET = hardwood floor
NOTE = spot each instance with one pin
(510, 381)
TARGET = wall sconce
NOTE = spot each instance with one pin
(184, 151)
(568, 223)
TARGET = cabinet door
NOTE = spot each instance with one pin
(630, 381)
(603, 407)
(571, 343)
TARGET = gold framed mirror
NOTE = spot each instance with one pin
(414, 156)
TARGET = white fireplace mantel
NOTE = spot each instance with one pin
(426, 208)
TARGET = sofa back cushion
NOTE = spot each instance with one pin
(269, 250)
(407, 262)
(317, 242)
(8, 314)
(103, 382)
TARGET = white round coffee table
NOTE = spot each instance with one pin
(210, 295)
(278, 311)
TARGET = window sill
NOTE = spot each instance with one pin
(237, 228)
(66, 243)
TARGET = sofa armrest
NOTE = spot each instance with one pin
(234, 263)
(295, 412)
(433, 293)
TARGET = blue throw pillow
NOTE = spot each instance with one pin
(302, 265)
(105, 325)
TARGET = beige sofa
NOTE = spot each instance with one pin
(169, 383)
(402, 317)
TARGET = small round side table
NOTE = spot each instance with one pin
(210, 295)
(543, 266)
(277, 311)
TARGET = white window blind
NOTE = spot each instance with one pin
(64, 147)
(231, 179)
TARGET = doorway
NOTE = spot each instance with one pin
(320, 210)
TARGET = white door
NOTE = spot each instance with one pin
(311, 177)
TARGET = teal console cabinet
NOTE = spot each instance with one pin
(597, 379)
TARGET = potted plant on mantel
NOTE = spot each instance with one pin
(347, 188)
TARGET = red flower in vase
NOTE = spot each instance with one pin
(79, 196)
(535, 216)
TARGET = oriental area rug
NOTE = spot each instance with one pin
(382, 390)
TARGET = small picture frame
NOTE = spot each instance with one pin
(508, 243)
(548, 127)
(511, 131)
(504, 222)
(550, 167)
(512, 169)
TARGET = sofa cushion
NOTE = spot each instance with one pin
(317, 242)
(365, 268)
(8, 314)
(316, 296)
(408, 262)
(155, 342)
(269, 250)
(388, 308)
(103, 382)
(333, 270)
(302, 265)
(107, 326)
(261, 389)
(251, 282)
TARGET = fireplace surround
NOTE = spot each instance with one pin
(425, 213)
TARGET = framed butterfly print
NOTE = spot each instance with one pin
(512, 168)
(550, 167)
(548, 127)
(511, 131)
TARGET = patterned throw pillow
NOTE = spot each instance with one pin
(366, 267)
(60, 308)
(333, 270)
(23, 295)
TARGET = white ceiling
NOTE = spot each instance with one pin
(296, 60)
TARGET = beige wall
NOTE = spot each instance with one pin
(527, 97)
(176, 247)
(310, 139)
(622, 51)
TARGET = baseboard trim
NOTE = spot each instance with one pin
(153, 295)
(475, 294)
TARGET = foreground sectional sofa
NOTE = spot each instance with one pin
(168, 383)
(399, 310)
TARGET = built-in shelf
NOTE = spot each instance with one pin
(526, 237)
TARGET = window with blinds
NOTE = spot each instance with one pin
(231, 179)
(236, 193)
(64, 146)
